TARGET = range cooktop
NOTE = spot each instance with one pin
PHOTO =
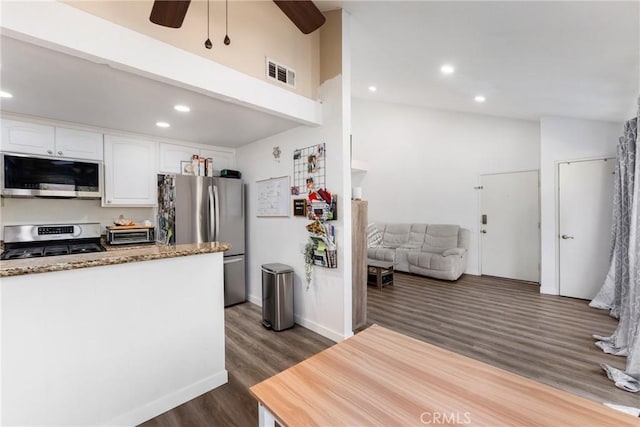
(32, 241)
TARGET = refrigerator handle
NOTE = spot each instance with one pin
(217, 212)
(212, 218)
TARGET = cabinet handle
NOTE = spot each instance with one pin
(49, 151)
(60, 153)
(108, 201)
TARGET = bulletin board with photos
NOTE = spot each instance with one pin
(309, 169)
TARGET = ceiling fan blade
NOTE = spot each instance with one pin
(169, 13)
(303, 13)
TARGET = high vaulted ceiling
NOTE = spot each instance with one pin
(529, 59)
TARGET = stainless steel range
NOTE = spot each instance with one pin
(29, 241)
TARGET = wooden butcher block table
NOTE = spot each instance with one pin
(382, 378)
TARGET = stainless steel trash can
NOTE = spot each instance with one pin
(277, 296)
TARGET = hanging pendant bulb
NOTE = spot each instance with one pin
(207, 42)
(227, 40)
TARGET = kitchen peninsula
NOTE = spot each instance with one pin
(114, 337)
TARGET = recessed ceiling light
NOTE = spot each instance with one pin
(447, 69)
(480, 99)
(163, 124)
(4, 94)
(182, 108)
(373, 88)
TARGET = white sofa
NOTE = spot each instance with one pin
(433, 250)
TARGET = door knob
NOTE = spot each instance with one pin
(60, 153)
(483, 231)
(565, 237)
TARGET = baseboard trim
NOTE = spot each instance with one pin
(317, 328)
(255, 300)
(154, 408)
(309, 324)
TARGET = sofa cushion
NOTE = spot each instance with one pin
(382, 254)
(395, 235)
(417, 234)
(440, 237)
(374, 238)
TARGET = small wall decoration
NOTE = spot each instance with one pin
(300, 207)
(309, 168)
(276, 153)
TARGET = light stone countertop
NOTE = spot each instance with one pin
(113, 255)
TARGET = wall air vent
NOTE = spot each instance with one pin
(281, 73)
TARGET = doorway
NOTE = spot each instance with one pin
(510, 225)
(585, 200)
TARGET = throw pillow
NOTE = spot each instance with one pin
(374, 238)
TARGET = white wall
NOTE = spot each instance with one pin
(322, 308)
(424, 163)
(564, 139)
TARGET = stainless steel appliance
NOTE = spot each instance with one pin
(130, 235)
(34, 176)
(29, 241)
(197, 209)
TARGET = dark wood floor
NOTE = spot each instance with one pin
(252, 355)
(502, 322)
(507, 324)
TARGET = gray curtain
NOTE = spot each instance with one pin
(620, 292)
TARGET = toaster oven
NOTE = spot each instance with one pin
(130, 235)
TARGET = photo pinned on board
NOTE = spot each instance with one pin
(312, 164)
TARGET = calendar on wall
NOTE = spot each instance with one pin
(309, 172)
(273, 197)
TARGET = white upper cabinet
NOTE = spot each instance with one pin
(130, 171)
(28, 138)
(43, 140)
(171, 155)
(78, 144)
(221, 159)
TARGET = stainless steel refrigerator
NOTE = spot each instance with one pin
(197, 209)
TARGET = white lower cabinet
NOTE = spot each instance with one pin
(130, 172)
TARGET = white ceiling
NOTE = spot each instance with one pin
(58, 86)
(575, 59)
(530, 59)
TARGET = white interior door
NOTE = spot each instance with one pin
(585, 200)
(510, 225)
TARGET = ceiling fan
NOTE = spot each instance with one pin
(303, 13)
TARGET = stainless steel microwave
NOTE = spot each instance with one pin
(35, 176)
